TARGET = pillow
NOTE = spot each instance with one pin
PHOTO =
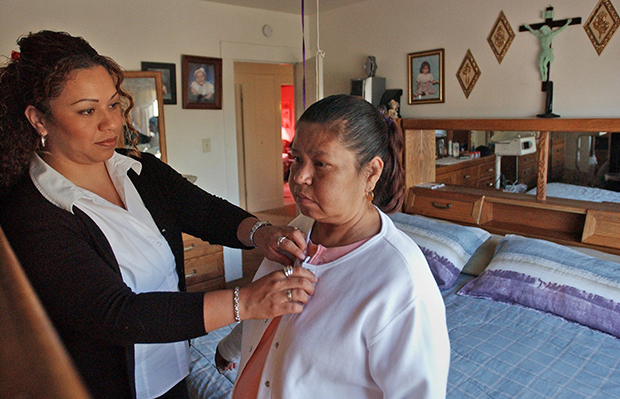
(447, 247)
(552, 278)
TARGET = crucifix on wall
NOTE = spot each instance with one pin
(546, 32)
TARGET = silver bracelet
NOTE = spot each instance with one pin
(257, 226)
(236, 304)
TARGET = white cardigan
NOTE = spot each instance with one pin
(375, 328)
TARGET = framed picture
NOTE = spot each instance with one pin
(202, 82)
(168, 79)
(426, 77)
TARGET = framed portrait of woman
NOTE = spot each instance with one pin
(426, 77)
(202, 82)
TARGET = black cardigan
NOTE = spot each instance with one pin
(72, 268)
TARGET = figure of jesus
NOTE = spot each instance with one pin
(546, 35)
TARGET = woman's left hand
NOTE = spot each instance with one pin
(276, 242)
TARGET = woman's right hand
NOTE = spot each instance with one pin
(267, 297)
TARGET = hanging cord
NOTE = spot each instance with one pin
(303, 53)
(320, 55)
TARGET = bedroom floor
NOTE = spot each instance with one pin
(252, 258)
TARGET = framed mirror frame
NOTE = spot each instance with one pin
(161, 124)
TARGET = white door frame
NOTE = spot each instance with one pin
(246, 52)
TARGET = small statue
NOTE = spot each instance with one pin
(370, 67)
(392, 112)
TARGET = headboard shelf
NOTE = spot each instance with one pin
(567, 221)
(521, 124)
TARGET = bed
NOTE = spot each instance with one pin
(531, 284)
(584, 193)
(501, 346)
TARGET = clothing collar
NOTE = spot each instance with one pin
(61, 192)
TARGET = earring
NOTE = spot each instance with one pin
(370, 195)
(43, 140)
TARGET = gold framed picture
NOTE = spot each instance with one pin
(501, 37)
(426, 77)
(602, 24)
(468, 73)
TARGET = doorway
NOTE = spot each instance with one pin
(264, 102)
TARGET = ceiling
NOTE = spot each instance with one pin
(290, 6)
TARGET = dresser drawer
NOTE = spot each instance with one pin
(204, 268)
(195, 247)
(463, 208)
(602, 228)
(486, 170)
(204, 265)
(530, 160)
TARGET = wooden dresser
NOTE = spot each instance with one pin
(204, 265)
(521, 169)
(556, 156)
(479, 172)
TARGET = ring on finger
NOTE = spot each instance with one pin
(288, 271)
(280, 240)
(289, 295)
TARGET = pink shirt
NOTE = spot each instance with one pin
(249, 380)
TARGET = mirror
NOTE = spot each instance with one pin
(148, 112)
(578, 166)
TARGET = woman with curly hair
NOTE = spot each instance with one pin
(98, 230)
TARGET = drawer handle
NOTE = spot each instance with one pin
(440, 205)
(490, 169)
(191, 274)
(466, 176)
(189, 248)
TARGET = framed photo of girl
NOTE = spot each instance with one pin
(202, 82)
(426, 77)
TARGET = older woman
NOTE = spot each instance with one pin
(375, 327)
(98, 232)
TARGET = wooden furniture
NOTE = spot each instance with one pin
(204, 265)
(556, 156)
(33, 360)
(565, 221)
(568, 222)
(521, 169)
(479, 172)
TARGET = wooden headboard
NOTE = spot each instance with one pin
(571, 222)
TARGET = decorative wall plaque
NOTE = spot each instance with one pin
(501, 37)
(602, 24)
(468, 73)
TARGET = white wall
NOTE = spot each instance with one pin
(131, 31)
(586, 84)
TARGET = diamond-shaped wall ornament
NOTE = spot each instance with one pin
(602, 24)
(468, 73)
(501, 37)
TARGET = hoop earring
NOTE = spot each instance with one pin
(370, 195)
(43, 140)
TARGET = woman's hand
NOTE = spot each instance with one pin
(222, 364)
(276, 294)
(278, 243)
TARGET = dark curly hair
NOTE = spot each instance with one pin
(35, 75)
(365, 131)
